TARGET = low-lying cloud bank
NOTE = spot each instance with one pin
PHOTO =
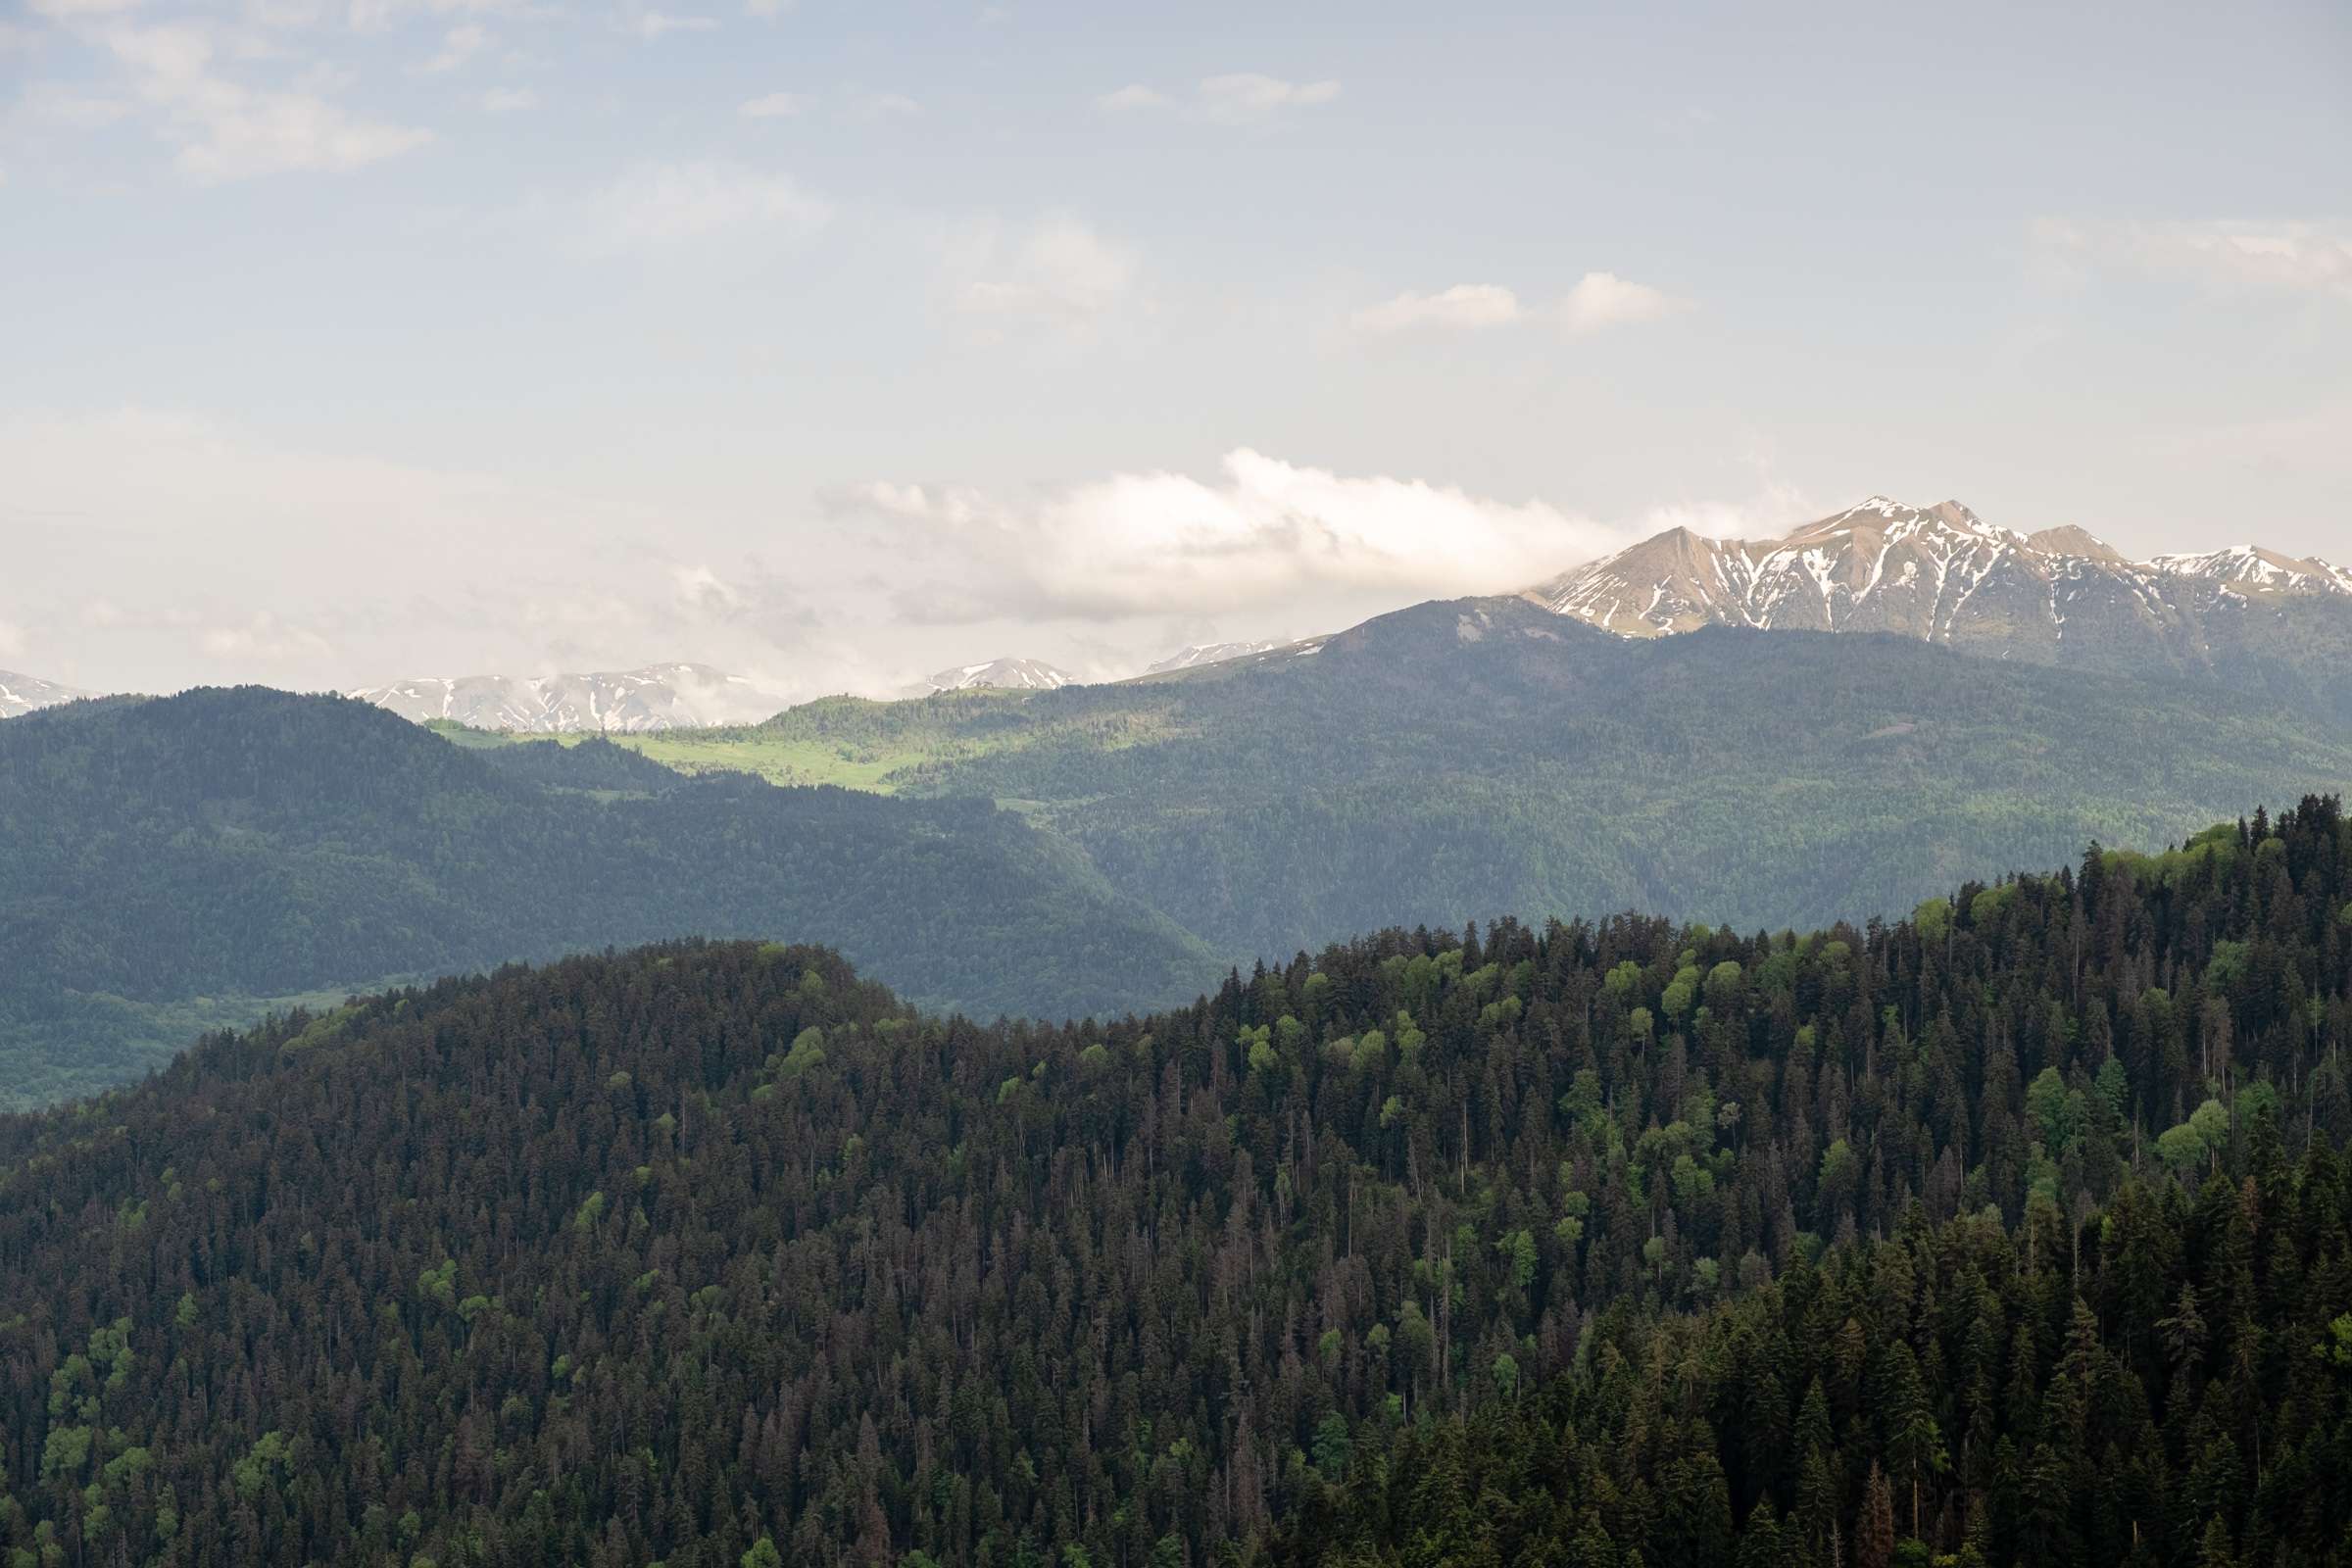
(163, 550)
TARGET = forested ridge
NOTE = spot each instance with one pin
(1464, 760)
(199, 860)
(2016, 1231)
(254, 842)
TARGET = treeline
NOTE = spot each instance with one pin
(717, 1255)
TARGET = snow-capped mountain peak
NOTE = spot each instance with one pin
(659, 696)
(1212, 654)
(1017, 674)
(25, 694)
(1945, 575)
(2253, 571)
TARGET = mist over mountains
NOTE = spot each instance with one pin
(2250, 618)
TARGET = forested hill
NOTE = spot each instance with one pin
(2022, 1226)
(1457, 760)
(253, 843)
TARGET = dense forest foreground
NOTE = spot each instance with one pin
(2015, 1231)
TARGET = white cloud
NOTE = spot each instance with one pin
(224, 130)
(1598, 300)
(882, 105)
(1264, 533)
(71, 10)
(206, 541)
(1241, 98)
(1465, 305)
(284, 12)
(373, 16)
(204, 533)
(699, 587)
(264, 638)
(652, 26)
(766, 8)
(11, 639)
(1134, 95)
(54, 104)
(1604, 299)
(774, 106)
(661, 204)
(509, 100)
(1246, 98)
(1060, 276)
(458, 45)
(2295, 257)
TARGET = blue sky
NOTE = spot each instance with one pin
(355, 339)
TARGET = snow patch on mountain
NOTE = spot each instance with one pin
(1015, 675)
(659, 696)
(1212, 654)
(28, 694)
(1939, 572)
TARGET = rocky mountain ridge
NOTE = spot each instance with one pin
(2248, 616)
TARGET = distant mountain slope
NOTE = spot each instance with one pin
(1015, 674)
(659, 696)
(1209, 654)
(2252, 619)
(25, 694)
(251, 843)
(1461, 758)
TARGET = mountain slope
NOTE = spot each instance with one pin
(2252, 618)
(665, 1255)
(25, 694)
(1015, 675)
(1209, 654)
(251, 843)
(1453, 759)
(659, 696)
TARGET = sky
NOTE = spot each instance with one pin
(833, 343)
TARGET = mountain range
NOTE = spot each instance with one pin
(177, 863)
(659, 696)
(1459, 758)
(2249, 618)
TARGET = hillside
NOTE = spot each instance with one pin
(178, 863)
(2019, 1226)
(1453, 761)
(2256, 620)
